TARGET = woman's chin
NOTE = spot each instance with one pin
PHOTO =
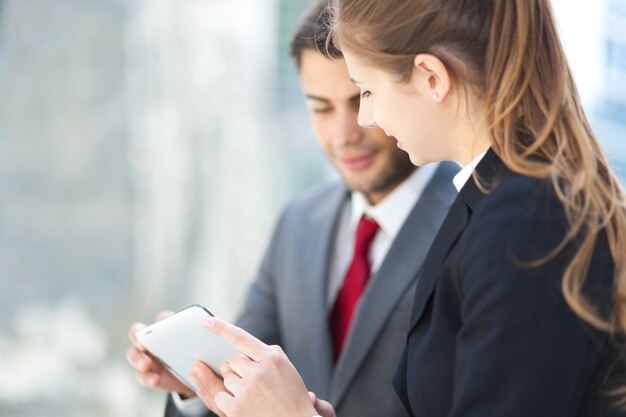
(420, 159)
(416, 160)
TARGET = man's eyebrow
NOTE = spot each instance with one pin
(356, 97)
(317, 98)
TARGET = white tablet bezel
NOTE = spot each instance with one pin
(181, 340)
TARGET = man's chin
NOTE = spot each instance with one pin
(376, 182)
(365, 187)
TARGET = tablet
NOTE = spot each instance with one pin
(181, 340)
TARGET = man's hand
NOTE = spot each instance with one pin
(150, 372)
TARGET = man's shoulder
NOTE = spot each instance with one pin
(316, 206)
(447, 170)
(440, 187)
(321, 194)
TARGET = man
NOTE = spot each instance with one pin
(338, 304)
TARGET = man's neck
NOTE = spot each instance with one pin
(373, 198)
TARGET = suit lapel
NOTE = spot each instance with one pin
(395, 276)
(318, 247)
(489, 171)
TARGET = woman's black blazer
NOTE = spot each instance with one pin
(491, 336)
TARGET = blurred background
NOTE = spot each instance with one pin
(146, 148)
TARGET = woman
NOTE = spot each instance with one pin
(521, 304)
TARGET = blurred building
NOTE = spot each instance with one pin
(615, 45)
(146, 148)
(613, 109)
(143, 160)
(594, 36)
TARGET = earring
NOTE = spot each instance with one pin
(435, 96)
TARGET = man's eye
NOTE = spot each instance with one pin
(323, 110)
(366, 94)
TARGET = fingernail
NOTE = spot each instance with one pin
(208, 322)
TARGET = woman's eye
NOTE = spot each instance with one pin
(366, 94)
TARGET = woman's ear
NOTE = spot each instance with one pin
(431, 77)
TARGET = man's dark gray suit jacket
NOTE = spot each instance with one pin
(286, 305)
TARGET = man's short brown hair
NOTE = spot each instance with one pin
(313, 33)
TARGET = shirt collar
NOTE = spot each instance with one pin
(392, 211)
(464, 174)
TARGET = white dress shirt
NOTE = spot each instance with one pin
(390, 214)
(464, 174)
(192, 407)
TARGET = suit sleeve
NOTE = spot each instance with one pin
(260, 312)
(171, 410)
(520, 350)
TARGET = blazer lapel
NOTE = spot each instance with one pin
(453, 225)
(489, 171)
(395, 276)
(318, 245)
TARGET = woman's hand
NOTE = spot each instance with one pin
(260, 382)
(323, 408)
(207, 385)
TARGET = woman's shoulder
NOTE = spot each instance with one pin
(521, 188)
(523, 211)
(525, 198)
(522, 222)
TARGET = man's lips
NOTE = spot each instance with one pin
(357, 162)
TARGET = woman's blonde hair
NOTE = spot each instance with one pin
(510, 53)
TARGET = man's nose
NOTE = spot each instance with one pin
(347, 130)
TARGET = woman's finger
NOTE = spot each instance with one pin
(225, 402)
(240, 365)
(242, 340)
(232, 383)
(225, 369)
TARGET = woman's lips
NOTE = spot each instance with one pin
(358, 162)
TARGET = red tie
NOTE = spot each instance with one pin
(353, 284)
